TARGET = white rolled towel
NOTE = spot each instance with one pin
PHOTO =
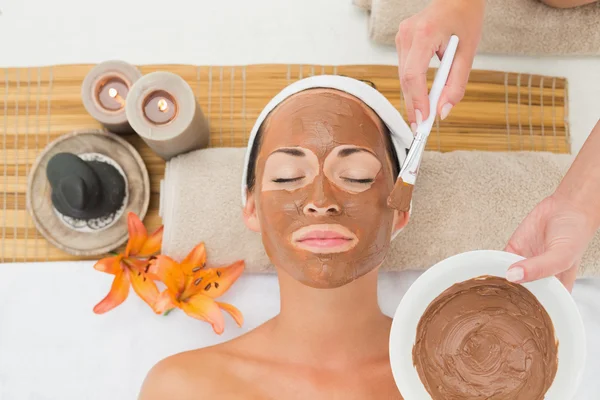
(364, 4)
(525, 27)
(463, 200)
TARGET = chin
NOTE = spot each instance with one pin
(325, 271)
(338, 277)
(322, 284)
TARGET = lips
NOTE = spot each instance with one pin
(324, 238)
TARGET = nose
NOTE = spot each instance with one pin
(321, 202)
(313, 209)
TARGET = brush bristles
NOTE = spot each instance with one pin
(401, 196)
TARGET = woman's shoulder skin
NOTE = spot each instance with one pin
(257, 366)
(224, 371)
(206, 373)
(182, 376)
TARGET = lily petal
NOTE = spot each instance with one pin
(144, 287)
(206, 309)
(110, 265)
(170, 273)
(195, 260)
(152, 276)
(137, 235)
(152, 244)
(137, 265)
(151, 269)
(234, 312)
(164, 302)
(219, 280)
(117, 295)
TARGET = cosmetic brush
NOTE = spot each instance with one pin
(410, 168)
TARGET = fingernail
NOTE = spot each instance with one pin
(419, 116)
(445, 111)
(515, 274)
(413, 128)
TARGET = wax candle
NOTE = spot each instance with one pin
(162, 109)
(104, 92)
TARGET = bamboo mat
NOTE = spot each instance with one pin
(500, 112)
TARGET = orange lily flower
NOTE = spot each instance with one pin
(131, 268)
(193, 288)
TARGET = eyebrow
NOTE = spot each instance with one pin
(351, 150)
(291, 152)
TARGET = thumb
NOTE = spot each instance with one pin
(550, 263)
(456, 84)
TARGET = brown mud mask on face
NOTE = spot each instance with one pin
(486, 338)
(323, 211)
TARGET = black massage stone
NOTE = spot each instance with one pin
(84, 189)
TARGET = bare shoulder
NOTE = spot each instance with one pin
(224, 371)
(187, 375)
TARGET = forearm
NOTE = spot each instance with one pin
(581, 184)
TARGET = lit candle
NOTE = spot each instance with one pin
(104, 92)
(162, 109)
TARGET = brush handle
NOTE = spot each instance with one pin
(441, 76)
(413, 159)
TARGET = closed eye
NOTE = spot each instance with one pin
(286, 180)
(363, 181)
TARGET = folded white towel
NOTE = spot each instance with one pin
(364, 4)
(463, 200)
(525, 27)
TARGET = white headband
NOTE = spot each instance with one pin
(401, 134)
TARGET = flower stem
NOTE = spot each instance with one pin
(168, 311)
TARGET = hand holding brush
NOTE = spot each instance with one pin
(401, 196)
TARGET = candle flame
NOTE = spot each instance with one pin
(112, 92)
(163, 106)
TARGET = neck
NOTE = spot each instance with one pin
(331, 326)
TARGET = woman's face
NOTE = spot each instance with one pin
(323, 176)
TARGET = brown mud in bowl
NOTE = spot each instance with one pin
(486, 338)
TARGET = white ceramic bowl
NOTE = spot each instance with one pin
(550, 293)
